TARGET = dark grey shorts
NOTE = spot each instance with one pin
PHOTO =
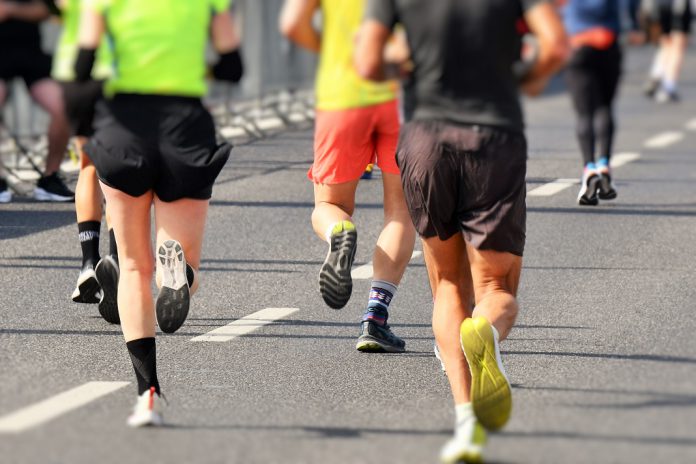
(465, 179)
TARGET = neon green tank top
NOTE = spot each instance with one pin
(66, 51)
(158, 45)
(338, 84)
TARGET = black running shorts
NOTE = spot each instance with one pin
(465, 179)
(675, 16)
(80, 103)
(32, 65)
(157, 143)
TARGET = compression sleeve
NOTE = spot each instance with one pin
(229, 67)
(84, 64)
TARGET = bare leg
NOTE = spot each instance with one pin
(677, 48)
(48, 95)
(130, 217)
(88, 194)
(332, 203)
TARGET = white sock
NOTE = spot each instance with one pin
(464, 413)
(669, 85)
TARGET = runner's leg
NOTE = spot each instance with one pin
(47, 94)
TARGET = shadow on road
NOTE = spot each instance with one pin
(16, 224)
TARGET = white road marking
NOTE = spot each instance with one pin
(50, 408)
(245, 325)
(552, 188)
(664, 139)
(365, 271)
(621, 159)
(691, 125)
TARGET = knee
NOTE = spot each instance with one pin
(584, 126)
(142, 266)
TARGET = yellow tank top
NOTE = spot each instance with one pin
(338, 85)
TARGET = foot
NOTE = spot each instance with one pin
(87, 289)
(174, 298)
(665, 96)
(588, 189)
(650, 87)
(147, 410)
(335, 281)
(375, 338)
(607, 191)
(108, 272)
(491, 396)
(466, 446)
(5, 192)
(368, 172)
(53, 188)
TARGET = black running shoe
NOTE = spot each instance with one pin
(651, 87)
(5, 192)
(375, 338)
(173, 301)
(588, 190)
(335, 281)
(53, 188)
(87, 289)
(607, 191)
(108, 272)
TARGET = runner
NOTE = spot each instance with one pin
(593, 77)
(155, 144)
(463, 161)
(674, 17)
(357, 122)
(98, 279)
(21, 56)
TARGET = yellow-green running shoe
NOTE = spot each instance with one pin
(491, 396)
(335, 281)
(466, 446)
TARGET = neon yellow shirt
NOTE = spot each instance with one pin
(159, 45)
(66, 51)
(338, 85)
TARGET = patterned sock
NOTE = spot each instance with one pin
(381, 295)
(89, 242)
(144, 357)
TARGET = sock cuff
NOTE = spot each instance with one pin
(463, 412)
(142, 343)
(384, 285)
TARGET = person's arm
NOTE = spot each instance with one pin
(296, 23)
(226, 42)
(369, 57)
(92, 27)
(553, 47)
(34, 12)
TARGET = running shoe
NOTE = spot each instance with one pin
(173, 301)
(375, 338)
(466, 446)
(367, 174)
(147, 410)
(87, 289)
(607, 191)
(651, 87)
(491, 395)
(53, 188)
(108, 272)
(335, 281)
(588, 189)
(665, 96)
(5, 192)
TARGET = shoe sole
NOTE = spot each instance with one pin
(87, 289)
(606, 191)
(592, 186)
(43, 195)
(370, 344)
(107, 272)
(151, 419)
(491, 396)
(335, 281)
(173, 301)
(466, 457)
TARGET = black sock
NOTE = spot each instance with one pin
(144, 357)
(89, 241)
(113, 248)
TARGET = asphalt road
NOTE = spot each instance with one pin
(603, 358)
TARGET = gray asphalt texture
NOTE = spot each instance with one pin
(602, 360)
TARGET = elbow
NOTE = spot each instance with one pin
(368, 69)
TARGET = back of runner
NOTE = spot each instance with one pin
(357, 121)
(155, 145)
(463, 163)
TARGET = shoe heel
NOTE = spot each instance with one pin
(173, 300)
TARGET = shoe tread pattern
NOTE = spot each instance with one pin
(335, 281)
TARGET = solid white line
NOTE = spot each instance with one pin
(621, 159)
(664, 139)
(50, 408)
(552, 188)
(691, 125)
(365, 271)
(245, 325)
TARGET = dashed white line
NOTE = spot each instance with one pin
(621, 159)
(664, 139)
(245, 325)
(365, 271)
(49, 409)
(552, 188)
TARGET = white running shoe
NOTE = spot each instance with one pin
(147, 410)
(5, 196)
(467, 444)
(87, 289)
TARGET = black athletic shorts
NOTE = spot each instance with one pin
(32, 65)
(675, 16)
(465, 179)
(80, 104)
(161, 143)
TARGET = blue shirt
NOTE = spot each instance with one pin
(581, 15)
